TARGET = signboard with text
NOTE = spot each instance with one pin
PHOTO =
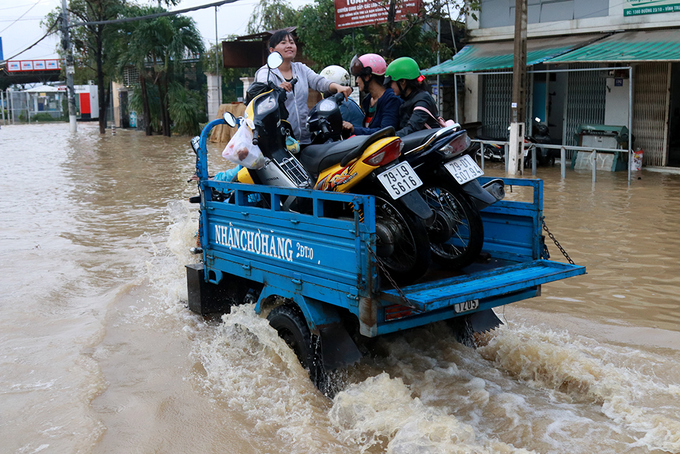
(358, 13)
(33, 65)
(640, 7)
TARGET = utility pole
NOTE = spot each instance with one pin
(217, 63)
(519, 89)
(70, 68)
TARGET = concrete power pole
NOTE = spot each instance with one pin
(70, 69)
(519, 89)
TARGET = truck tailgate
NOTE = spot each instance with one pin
(496, 282)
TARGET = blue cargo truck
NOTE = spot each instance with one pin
(319, 280)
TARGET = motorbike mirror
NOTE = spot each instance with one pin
(274, 60)
(229, 118)
(195, 143)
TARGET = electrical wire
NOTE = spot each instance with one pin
(34, 44)
(151, 16)
(16, 20)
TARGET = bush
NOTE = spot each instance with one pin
(44, 116)
(186, 110)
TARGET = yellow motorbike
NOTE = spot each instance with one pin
(363, 164)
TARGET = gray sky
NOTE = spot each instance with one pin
(232, 19)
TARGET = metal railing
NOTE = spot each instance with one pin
(563, 153)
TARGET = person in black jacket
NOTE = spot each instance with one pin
(381, 106)
(419, 110)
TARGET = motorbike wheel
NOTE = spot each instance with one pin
(402, 244)
(457, 214)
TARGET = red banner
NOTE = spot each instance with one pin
(357, 13)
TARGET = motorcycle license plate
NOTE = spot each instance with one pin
(464, 169)
(400, 179)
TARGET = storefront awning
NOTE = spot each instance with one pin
(654, 45)
(500, 54)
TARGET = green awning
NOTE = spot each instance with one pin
(500, 54)
(655, 45)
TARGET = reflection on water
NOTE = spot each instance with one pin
(100, 346)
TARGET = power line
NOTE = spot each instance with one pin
(15, 21)
(35, 43)
(151, 16)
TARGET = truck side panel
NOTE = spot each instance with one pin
(310, 254)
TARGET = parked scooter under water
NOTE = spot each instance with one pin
(354, 164)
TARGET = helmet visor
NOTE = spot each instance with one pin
(356, 68)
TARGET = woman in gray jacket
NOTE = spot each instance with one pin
(282, 41)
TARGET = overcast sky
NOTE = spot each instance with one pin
(20, 23)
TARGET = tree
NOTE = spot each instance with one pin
(272, 15)
(157, 47)
(416, 36)
(90, 42)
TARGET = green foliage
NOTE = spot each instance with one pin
(415, 37)
(137, 104)
(44, 116)
(272, 15)
(186, 110)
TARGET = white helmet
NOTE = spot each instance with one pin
(336, 74)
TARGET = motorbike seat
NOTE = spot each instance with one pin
(316, 158)
(417, 138)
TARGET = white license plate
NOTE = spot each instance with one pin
(466, 306)
(400, 179)
(464, 169)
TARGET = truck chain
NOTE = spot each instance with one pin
(557, 243)
(386, 273)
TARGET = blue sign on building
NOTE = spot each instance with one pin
(2, 57)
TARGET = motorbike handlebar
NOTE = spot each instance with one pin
(256, 139)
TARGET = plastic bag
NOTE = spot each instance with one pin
(636, 163)
(240, 149)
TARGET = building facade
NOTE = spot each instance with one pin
(578, 55)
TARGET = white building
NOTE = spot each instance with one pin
(578, 35)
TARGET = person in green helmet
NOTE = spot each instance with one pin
(419, 111)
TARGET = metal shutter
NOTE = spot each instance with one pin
(650, 109)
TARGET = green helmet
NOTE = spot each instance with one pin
(402, 68)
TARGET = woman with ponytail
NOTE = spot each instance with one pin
(419, 111)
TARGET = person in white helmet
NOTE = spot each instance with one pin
(349, 109)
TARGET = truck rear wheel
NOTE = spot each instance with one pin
(291, 326)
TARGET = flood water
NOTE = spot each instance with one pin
(100, 354)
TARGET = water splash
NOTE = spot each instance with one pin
(616, 379)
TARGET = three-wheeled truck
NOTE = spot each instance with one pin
(318, 276)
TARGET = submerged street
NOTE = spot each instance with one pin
(102, 355)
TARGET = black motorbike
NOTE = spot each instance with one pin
(441, 160)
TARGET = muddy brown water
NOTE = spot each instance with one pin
(100, 354)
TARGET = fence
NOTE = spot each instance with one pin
(24, 106)
(563, 155)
